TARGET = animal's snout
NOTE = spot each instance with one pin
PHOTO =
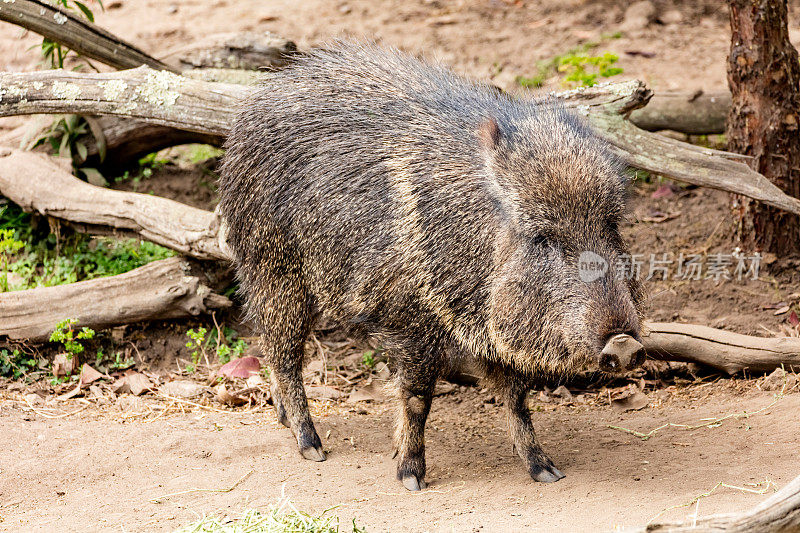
(621, 352)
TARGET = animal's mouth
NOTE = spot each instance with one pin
(621, 352)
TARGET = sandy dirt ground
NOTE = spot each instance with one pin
(93, 472)
(113, 466)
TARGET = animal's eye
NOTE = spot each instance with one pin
(539, 241)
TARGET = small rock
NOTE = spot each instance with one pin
(63, 365)
(563, 393)
(776, 380)
(255, 381)
(323, 392)
(673, 16)
(638, 16)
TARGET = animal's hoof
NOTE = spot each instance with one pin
(313, 454)
(412, 483)
(547, 475)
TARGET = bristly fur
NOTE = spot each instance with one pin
(406, 202)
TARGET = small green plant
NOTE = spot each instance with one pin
(68, 133)
(223, 341)
(368, 359)
(16, 364)
(67, 335)
(117, 362)
(574, 63)
(54, 53)
(8, 246)
(197, 346)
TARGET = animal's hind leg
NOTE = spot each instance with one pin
(282, 307)
(415, 380)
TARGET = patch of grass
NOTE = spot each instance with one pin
(197, 153)
(284, 518)
(368, 359)
(579, 66)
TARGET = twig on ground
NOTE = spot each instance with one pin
(765, 485)
(189, 491)
(709, 422)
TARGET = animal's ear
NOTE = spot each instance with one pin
(489, 133)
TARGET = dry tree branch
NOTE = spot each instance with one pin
(76, 33)
(607, 108)
(693, 114)
(36, 183)
(723, 350)
(159, 290)
(159, 97)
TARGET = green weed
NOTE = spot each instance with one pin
(70, 337)
(580, 67)
(15, 363)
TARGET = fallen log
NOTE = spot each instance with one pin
(128, 140)
(239, 51)
(76, 33)
(159, 97)
(205, 107)
(693, 114)
(724, 350)
(780, 513)
(160, 290)
(36, 183)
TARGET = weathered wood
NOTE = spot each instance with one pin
(607, 107)
(693, 114)
(36, 183)
(128, 140)
(159, 97)
(170, 100)
(780, 513)
(76, 33)
(724, 350)
(240, 50)
(160, 290)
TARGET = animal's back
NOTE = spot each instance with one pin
(369, 163)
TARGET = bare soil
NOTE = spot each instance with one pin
(101, 467)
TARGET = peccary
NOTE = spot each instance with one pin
(431, 212)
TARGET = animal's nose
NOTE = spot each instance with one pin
(621, 352)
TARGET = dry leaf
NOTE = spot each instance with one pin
(134, 383)
(243, 367)
(223, 396)
(782, 310)
(182, 389)
(88, 375)
(633, 402)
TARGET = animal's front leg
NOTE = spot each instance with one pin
(514, 390)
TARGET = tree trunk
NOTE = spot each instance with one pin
(764, 78)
